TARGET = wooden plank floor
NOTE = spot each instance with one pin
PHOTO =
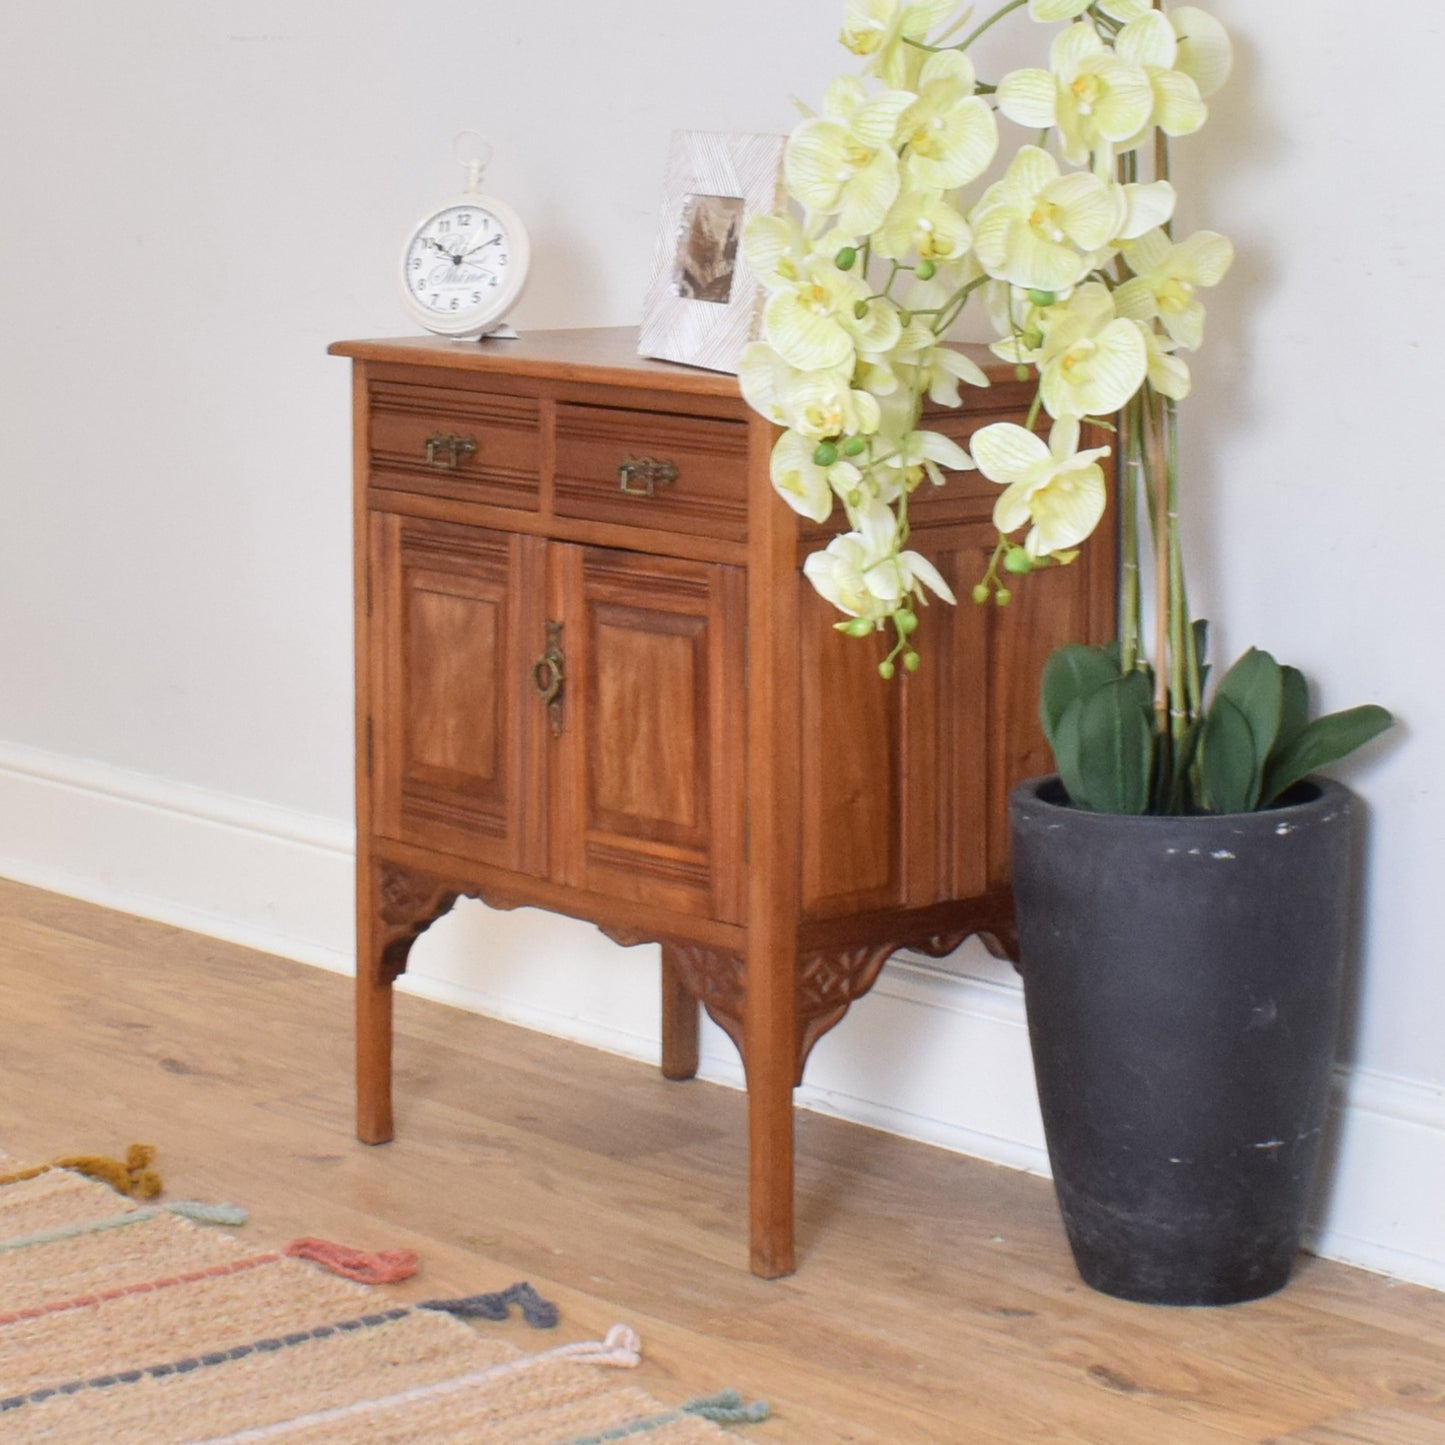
(935, 1300)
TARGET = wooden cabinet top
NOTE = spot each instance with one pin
(601, 355)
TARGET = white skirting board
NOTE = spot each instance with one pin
(936, 1052)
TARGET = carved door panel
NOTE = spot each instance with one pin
(647, 787)
(892, 773)
(448, 626)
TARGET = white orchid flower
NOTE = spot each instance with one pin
(1150, 43)
(1205, 53)
(1168, 374)
(1095, 98)
(1016, 314)
(1147, 205)
(866, 573)
(938, 369)
(943, 368)
(923, 222)
(1166, 278)
(775, 249)
(842, 163)
(925, 454)
(763, 379)
(822, 404)
(881, 30)
(950, 136)
(814, 326)
(1038, 228)
(805, 486)
(1052, 484)
(1092, 361)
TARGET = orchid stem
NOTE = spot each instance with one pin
(990, 22)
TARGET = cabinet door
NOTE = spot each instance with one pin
(450, 766)
(647, 782)
(905, 783)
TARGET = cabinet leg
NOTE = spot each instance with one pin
(770, 1168)
(373, 1053)
(679, 1021)
(393, 905)
(374, 977)
(770, 1060)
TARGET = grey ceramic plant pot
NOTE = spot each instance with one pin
(1182, 978)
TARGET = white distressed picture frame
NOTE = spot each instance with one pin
(703, 305)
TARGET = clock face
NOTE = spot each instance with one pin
(464, 266)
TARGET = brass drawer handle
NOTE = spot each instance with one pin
(447, 450)
(641, 476)
(547, 676)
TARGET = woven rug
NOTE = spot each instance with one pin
(125, 1319)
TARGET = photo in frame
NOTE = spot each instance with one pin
(703, 305)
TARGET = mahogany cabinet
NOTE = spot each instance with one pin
(591, 678)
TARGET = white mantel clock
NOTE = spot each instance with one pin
(465, 263)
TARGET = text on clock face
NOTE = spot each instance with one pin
(457, 257)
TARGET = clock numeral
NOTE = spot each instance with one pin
(476, 296)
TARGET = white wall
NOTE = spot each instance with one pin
(201, 194)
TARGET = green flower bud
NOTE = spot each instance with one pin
(1003, 596)
(1042, 298)
(906, 621)
(825, 454)
(885, 670)
(980, 593)
(925, 270)
(905, 317)
(912, 661)
(1017, 561)
(860, 310)
(855, 627)
(1021, 372)
(854, 447)
(846, 258)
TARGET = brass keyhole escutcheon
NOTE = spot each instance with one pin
(642, 476)
(448, 451)
(548, 676)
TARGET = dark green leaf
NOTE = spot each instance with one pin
(1326, 740)
(1294, 715)
(1255, 685)
(1201, 640)
(1116, 745)
(1229, 771)
(1065, 744)
(1071, 673)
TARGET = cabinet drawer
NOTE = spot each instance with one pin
(473, 446)
(652, 469)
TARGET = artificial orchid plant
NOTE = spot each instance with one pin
(1070, 250)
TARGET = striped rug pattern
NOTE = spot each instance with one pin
(125, 1320)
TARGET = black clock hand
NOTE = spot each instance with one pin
(490, 241)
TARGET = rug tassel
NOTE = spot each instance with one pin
(132, 1176)
(540, 1313)
(199, 1213)
(727, 1408)
(386, 1266)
